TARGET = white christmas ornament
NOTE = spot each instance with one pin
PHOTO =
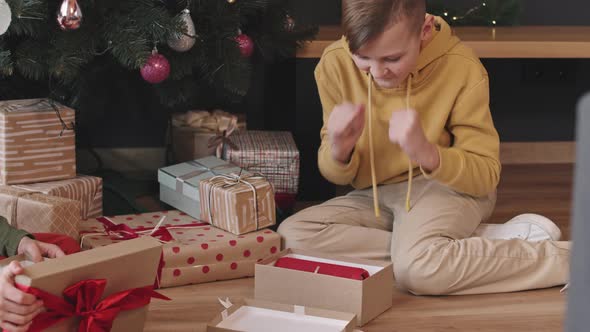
(5, 16)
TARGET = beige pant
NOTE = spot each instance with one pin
(431, 247)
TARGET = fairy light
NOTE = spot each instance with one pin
(469, 13)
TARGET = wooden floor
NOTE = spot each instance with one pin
(544, 189)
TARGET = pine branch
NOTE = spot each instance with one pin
(30, 62)
(29, 18)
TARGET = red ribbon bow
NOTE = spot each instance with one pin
(124, 232)
(83, 300)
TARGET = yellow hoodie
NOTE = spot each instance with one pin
(450, 91)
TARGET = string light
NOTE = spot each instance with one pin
(469, 13)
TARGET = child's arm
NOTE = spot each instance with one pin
(10, 238)
(472, 164)
(334, 171)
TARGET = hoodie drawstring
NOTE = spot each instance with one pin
(410, 167)
(372, 151)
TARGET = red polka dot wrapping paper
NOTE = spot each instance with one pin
(273, 154)
(198, 254)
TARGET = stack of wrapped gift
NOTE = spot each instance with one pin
(193, 251)
(198, 134)
(83, 292)
(39, 189)
(219, 193)
(270, 153)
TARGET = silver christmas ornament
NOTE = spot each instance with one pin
(183, 42)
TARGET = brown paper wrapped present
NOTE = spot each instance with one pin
(273, 154)
(39, 213)
(83, 188)
(38, 141)
(193, 252)
(197, 134)
(88, 292)
(237, 204)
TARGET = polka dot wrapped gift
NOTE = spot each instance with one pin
(193, 252)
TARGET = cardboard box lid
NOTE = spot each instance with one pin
(200, 169)
(264, 316)
(139, 255)
(126, 265)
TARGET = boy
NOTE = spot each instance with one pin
(17, 309)
(401, 97)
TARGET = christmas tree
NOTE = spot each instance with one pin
(477, 12)
(189, 52)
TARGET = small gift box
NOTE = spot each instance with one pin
(198, 134)
(36, 212)
(193, 252)
(107, 289)
(363, 287)
(238, 204)
(37, 141)
(270, 153)
(179, 184)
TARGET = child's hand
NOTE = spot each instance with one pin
(345, 127)
(37, 250)
(405, 129)
(17, 308)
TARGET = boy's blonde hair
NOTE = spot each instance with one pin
(364, 20)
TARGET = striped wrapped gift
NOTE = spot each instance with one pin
(37, 141)
(270, 153)
(83, 188)
(237, 204)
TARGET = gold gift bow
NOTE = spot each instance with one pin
(221, 124)
(230, 180)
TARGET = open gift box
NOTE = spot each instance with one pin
(263, 316)
(366, 298)
(90, 290)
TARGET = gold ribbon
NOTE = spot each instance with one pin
(231, 180)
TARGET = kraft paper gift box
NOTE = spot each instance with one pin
(83, 188)
(39, 213)
(238, 204)
(127, 269)
(179, 184)
(198, 134)
(38, 141)
(270, 153)
(194, 252)
(264, 316)
(366, 298)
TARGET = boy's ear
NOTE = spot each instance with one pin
(427, 28)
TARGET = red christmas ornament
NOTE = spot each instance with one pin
(156, 68)
(245, 44)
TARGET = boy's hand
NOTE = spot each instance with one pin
(405, 129)
(37, 250)
(17, 308)
(345, 127)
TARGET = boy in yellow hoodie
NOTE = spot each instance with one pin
(407, 123)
